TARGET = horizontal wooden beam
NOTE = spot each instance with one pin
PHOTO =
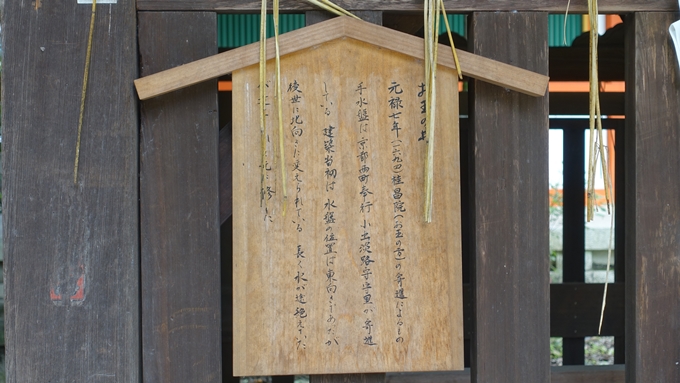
(562, 374)
(474, 66)
(452, 6)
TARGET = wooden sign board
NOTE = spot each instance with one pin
(351, 279)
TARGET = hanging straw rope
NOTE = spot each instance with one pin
(431, 19)
(606, 275)
(564, 25)
(278, 105)
(453, 46)
(596, 146)
(86, 74)
(263, 94)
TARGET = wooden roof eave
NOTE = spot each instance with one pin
(474, 66)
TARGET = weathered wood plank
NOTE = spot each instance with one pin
(346, 309)
(652, 201)
(179, 207)
(71, 251)
(471, 65)
(314, 17)
(620, 228)
(452, 6)
(510, 209)
(566, 374)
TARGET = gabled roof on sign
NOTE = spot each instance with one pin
(474, 66)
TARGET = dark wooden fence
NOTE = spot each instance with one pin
(116, 278)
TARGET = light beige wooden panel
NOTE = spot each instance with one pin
(351, 279)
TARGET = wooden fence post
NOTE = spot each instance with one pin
(509, 193)
(179, 206)
(71, 250)
(652, 200)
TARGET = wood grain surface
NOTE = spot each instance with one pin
(71, 250)
(374, 17)
(510, 267)
(652, 200)
(452, 6)
(180, 207)
(620, 227)
(321, 288)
